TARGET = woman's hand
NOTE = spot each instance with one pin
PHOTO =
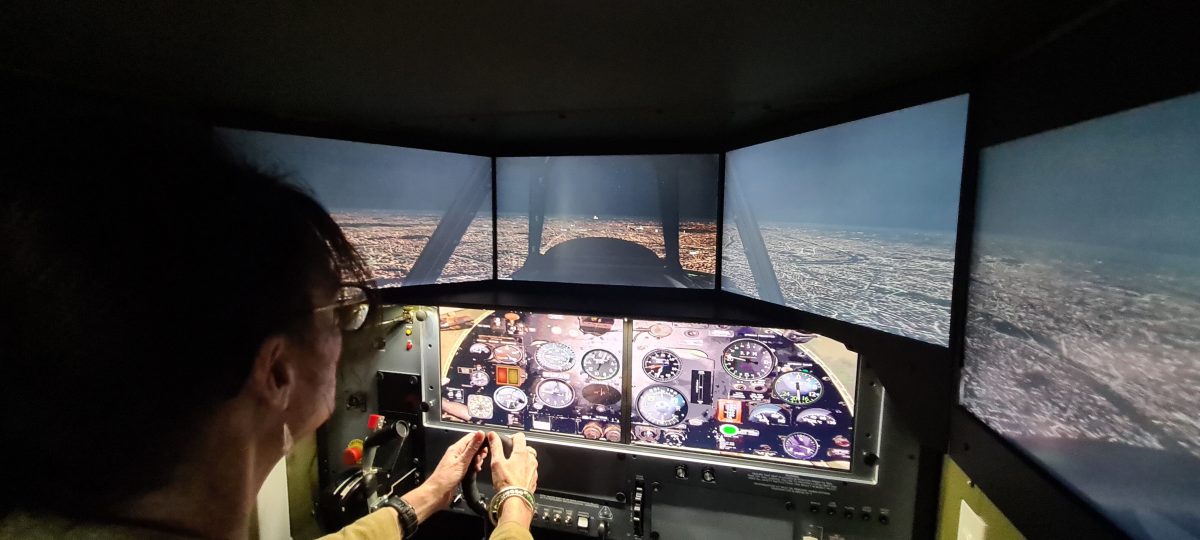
(518, 469)
(437, 491)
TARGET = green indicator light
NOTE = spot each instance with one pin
(729, 430)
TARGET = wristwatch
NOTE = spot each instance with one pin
(405, 513)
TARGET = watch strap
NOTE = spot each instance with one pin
(405, 513)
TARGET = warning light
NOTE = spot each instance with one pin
(729, 430)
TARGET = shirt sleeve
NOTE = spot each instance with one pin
(511, 531)
(378, 525)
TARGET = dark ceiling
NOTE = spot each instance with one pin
(529, 72)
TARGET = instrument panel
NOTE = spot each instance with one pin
(532, 371)
(765, 393)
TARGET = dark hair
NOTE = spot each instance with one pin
(142, 267)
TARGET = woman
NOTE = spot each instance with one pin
(172, 320)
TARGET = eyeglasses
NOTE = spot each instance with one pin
(350, 306)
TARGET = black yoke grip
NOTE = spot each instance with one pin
(470, 489)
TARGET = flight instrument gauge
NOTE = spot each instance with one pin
(480, 406)
(554, 393)
(801, 445)
(798, 388)
(510, 398)
(769, 414)
(748, 360)
(600, 364)
(662, 406)
(508, 354)
(554, 356)
(661, 365)
(816, 417)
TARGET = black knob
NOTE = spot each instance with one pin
(681, 471)
(708, 475)
(831, 510)
(789, 506)
(871, 460)
(814, 508)
(602, 530)
(849, 513)
(883, 519)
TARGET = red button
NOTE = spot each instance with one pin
(375, 421)
(408, 347)
(352, 455)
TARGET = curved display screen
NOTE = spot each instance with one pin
(779, 395)
(532, 371)
(380, 196)
(854, 221)
(1083, 325)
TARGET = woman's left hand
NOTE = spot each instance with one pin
(438, 490)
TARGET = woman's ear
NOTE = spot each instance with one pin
(273, 376)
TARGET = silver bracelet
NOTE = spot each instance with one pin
(507, 493)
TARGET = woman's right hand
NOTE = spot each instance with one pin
(517, 469)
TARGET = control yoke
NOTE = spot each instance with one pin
(470, 490)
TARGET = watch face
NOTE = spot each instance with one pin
(798, 388)
(480, 406)
(748, 360)
(601, 364)
(662, 406)
(555, 394)
(555, 356)
(661, 365)
(510, 398)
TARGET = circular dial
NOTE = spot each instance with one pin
(600, 364)
(646, 433)
(662, 406)
(554, 356)
(661, 365)
(769, 414)
(510, 398)
(508, 354)
(554, 393)
(816, 417)
(748, 360)
(801, 445)
(479, 351)
(673, 438)
(798, 388)
(480, 406)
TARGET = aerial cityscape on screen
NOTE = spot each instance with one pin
(612, 208)
(858, 220)
(1083, 326)
(381, 196)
